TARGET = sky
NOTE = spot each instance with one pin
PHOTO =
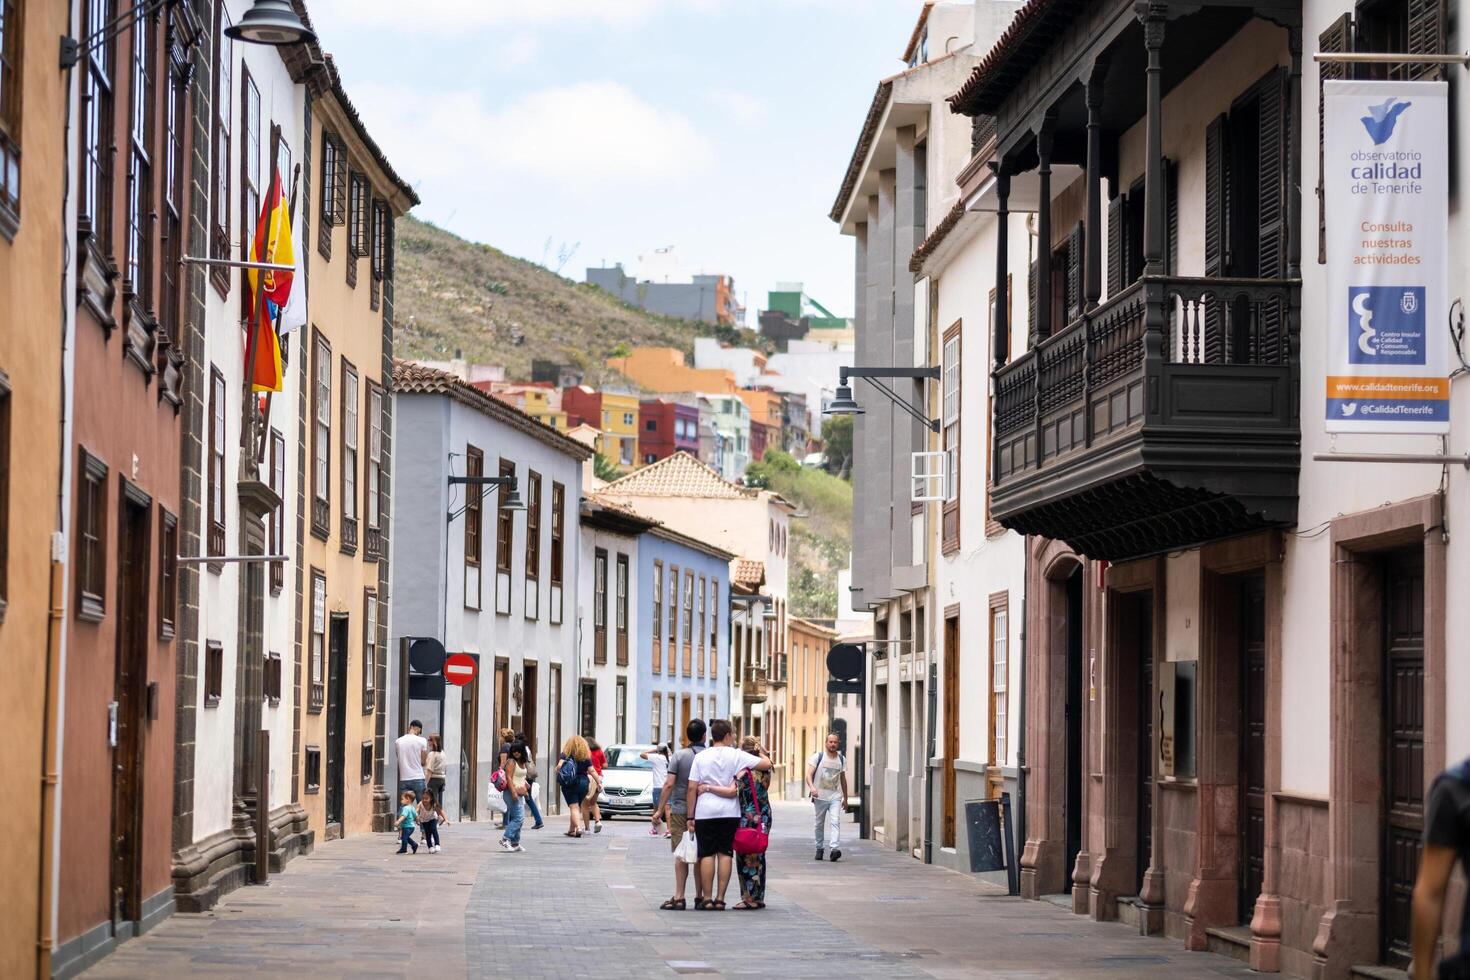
(617, 127)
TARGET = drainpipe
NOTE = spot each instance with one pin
(1020, 833)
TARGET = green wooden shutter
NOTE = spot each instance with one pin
(1426, 35)
(1033, 329)
(1075, 247)
(1215, 351)
(1116, 211)
(1271, 224)
(1337, 39)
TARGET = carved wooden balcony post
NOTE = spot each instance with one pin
(1002, 340)
(1152, 14)
(1044, 138)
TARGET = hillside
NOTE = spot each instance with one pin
(452, 294)
(821, 536)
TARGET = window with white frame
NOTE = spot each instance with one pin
(999, 660)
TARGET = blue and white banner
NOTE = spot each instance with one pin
(1385, 172)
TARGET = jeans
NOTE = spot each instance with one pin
(416, 785)
(530, 800)
(431, 833)
(515, 816)
(829, 813)
(405, 840)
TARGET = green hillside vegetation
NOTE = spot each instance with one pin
(820, 541)
(455, 295)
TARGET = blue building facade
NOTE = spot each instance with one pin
(683, 635)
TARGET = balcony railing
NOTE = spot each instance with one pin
(1164, 417)
(753, 684)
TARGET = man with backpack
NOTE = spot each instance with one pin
(826, 784)
(1446, 840)
(673, 808)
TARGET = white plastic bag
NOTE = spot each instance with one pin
(495, 799)
(687, 851)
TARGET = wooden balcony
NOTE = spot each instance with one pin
(1164, 418)
(753, 685)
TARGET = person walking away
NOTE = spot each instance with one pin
(515, 790)
(590, 810)
(673, 806)
(1446, 840)
(434, 768)
(531, 775)
(826, 784)
(406, 815)
(715, 818)
(753, 794)
(413, 752)
(572, 767)
(658, 761)
(430, 816)
(507, 737)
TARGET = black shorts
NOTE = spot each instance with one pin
(716, 836)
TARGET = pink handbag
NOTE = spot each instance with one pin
(752, 840)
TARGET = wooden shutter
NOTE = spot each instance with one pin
(1171, 217)
(1117, 210)
(1426, 36)
(1271, 224)
(1032, 327)
(1338, 38)
(339, 187)
(1214, 232)
(1074, 273)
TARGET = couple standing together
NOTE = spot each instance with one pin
(709, 792)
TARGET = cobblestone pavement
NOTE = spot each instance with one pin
(589, 908)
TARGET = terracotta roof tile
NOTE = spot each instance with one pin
(1029, 35)
(679, 475)
(748, 573)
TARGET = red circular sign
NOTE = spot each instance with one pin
(460, 668)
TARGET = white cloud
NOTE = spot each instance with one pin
(583, 135)
(517, 51)
(458, 16)
(742, 107)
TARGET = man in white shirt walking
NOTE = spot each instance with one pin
(413, 751)
(826, 783)
(713, 818)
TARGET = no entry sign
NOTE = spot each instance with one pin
(460, 668)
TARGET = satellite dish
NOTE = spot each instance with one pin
(426, 656)
(845, 661)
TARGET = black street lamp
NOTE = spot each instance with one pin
(270, 22)
(844, 404)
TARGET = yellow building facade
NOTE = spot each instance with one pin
(807, 702)
(345, 356)
(32, 169)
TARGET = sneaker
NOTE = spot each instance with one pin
(819, 854)
(506, 845)
(597, 826)
(437, 848)
(538, 826)
(652, 831)
(517, 849)
(668, 835)
(836, 853)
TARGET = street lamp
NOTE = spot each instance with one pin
(843, 403)
(511, 501)
(270, 22)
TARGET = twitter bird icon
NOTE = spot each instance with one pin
(1382, 118)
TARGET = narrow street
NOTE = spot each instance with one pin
(584, 908)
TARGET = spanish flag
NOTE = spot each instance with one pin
(271, 289)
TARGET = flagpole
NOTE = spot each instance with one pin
(269, 396)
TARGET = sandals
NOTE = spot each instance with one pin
(703, 905)
(744, 906)
(674, 905)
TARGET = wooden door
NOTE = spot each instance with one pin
(951, 720)
(589, 709)
(1403, 750)
(130, 706)
(684, 708)
(553, 704)
(1252, 779)
(528, 705)
(1143, 638)
(1072, 810)
(336, 719)
(502, 696)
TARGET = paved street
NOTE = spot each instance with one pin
(581, 908)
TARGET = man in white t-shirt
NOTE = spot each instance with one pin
(413, 751)
(714, 819)
(826, 784)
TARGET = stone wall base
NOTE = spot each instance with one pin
(207, 870)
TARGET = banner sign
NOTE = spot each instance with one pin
(1385, 172)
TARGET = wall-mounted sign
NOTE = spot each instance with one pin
(1385, 174)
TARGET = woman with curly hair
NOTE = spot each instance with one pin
(574, 791)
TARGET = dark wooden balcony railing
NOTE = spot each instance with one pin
(753, 686)
(1124, 441)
